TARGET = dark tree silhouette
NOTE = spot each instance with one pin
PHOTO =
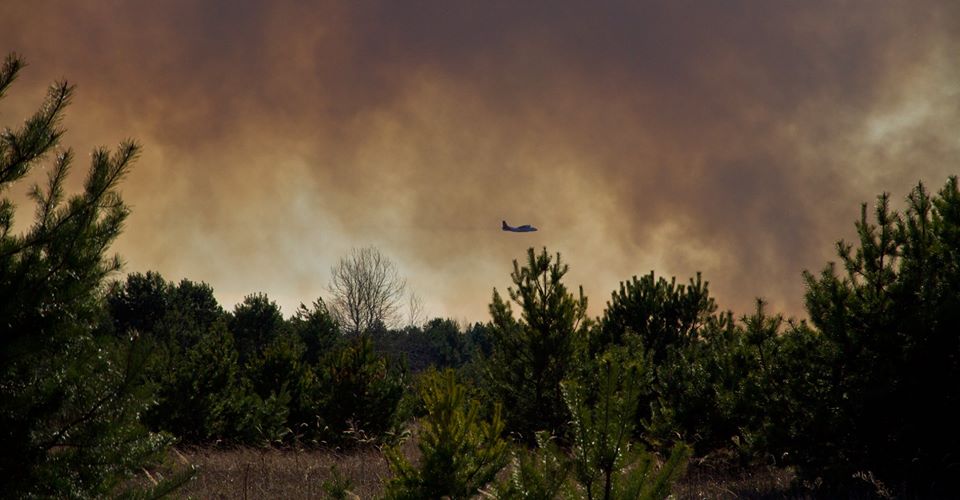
(255, 323)
(69, 397)
(532, 355)
(889, 322)
(661, 313)
(317, 329)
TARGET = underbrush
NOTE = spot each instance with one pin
(363, 472)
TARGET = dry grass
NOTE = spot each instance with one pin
(272, 473)
(753, 482)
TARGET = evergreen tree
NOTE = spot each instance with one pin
(891, 351)
(664, 315)
(203, 396)
(317, 329)
(447, 343)
(281, 373)
(139, 303)
(439, 343)
(478, 338)
(69, 397)
(603, 462)
(202, 392)
(460, 453)
(543, 473)
(164, 315)
(255, 323)
(193, 307)
(530, 356)
(721, 389)
(358, 391)
(606, 464)
(668, 323)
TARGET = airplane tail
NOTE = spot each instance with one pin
(504, 226)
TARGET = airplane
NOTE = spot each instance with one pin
(526, 228)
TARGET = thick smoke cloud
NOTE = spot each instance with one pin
(733, 138)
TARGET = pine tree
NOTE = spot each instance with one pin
(201, 389)
(721, 388)
(668, 323)
(203, 396)
(461, 453)
(139, 303)
(317, 329)
(540, 474)
(602, 462)
(358, 392)
(665, 316)
(890, 355)
(530, 356)
(255, 323)
(606, 464)
(69, 398)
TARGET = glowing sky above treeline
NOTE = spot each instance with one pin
(733, 138)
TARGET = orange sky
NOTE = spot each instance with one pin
(733, 138)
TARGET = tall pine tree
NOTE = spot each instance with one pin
(69, 398)
(890, 358)
(532, 354)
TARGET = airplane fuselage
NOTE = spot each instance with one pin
(526, 228)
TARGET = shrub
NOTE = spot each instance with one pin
(460, 452)
(606, 464)
(358, 391)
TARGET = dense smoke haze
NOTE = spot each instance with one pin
(733, 138)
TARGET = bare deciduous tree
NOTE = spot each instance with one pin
(367, 290)
(415, 311)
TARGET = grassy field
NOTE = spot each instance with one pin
(273, 473)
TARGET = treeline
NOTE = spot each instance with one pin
(99, 377)
(251, 376)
